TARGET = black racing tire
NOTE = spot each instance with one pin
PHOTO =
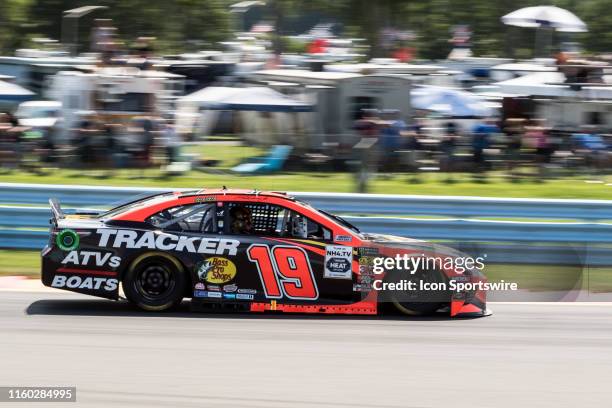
(155, 282)
(419, 303)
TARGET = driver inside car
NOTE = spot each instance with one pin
(241, 220)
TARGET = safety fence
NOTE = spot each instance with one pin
(562, 242)
(341, 203)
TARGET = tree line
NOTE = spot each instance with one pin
(185, 25)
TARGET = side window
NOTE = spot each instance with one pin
(257, 219)
(273, 220)
(303, 227)
(199, 218)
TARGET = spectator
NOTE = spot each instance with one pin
(447, 147)
(536, 136)
(9, 142)
(82, 141)
(367, 124)
(391, 128)
(514, 131)
(480, 140)
(171, 141)
(590, 145)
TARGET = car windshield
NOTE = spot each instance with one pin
(342, 221)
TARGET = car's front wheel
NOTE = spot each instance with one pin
(155, 282)
(418, 302)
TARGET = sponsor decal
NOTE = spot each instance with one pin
(338, 261)
(216, 270)
(229, 296)
(367, 260)
(244, 296)
(247, 291)
(366, 270)
(207, 199)
(202, 269)
(362, 287)
(230, 288)
(216, 288)
(343, 238)
(80, 282)
(67, 240)
(85, 258)
(367, 279)
(166, 242)
(366, 251)
(214, 294)
(200, 286)
(200, 293)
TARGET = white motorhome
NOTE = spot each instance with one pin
(32, 68)
(566, 106)
(114, 91)
(418, 73)
(339, 98)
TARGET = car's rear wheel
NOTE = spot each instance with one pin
(420, 302)
(155, 282)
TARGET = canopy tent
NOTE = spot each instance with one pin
(450, 102)
(208, 94)
(259, 99)
(545, 16)
(203, 107)
(14, 93)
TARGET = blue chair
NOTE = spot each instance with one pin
(270, 163)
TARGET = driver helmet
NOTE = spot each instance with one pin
(242, 221)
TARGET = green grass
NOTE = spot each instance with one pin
(495, 184)
(531, 277)
(14, 262)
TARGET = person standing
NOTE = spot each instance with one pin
(480, 141)
(447, 147)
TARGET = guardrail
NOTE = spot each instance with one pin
(503, 241)
(342, 203)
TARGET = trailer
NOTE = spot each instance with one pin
(339, 99)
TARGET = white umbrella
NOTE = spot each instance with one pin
(450, 102)
(545, 16)
(13, 92)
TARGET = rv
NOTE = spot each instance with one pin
(32, 68)
(340, 98)
(567, 105)
(418, 73)
(118, 93)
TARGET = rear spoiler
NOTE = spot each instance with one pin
(58, 214)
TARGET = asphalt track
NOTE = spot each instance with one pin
(525, 355)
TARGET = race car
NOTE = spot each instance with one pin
(230, 249)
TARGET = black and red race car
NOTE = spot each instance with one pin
(244, 250)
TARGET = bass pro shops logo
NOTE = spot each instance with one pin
(216, 270)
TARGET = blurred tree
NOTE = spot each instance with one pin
(183, 24)
(175, 23)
